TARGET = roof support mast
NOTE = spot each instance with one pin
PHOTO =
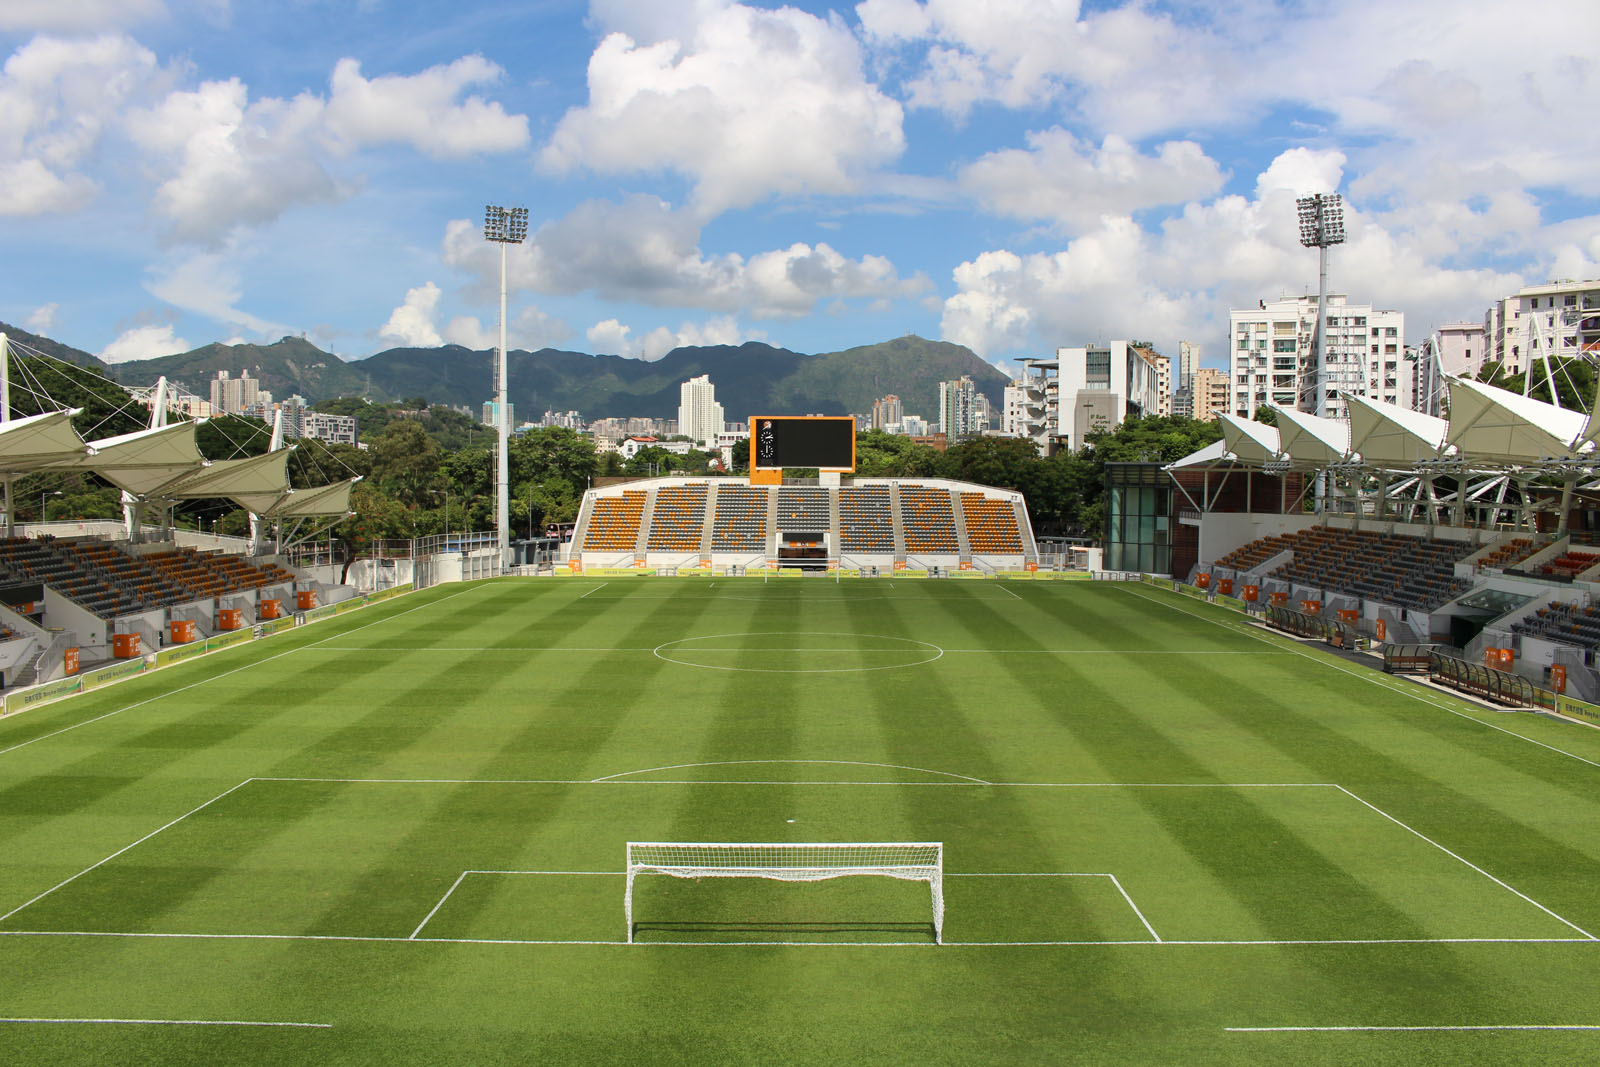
(132, 506)
(5, 416)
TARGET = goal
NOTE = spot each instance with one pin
(918, 861)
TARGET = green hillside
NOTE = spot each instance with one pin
(288, 366)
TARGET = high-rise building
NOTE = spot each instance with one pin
(491, 412)
(1101, 385)
(1273, 356)
(887, 411)
(1183, 388)
(234, 395)
(699, 414)
(1162, 366)
(1031, 403)
(959, 415)
(334, 429)
(1209, 388)
(1557, 318)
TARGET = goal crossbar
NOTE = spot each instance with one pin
(914, 861)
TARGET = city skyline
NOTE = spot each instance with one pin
(1012, 177)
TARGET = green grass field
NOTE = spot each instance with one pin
(1168, 839)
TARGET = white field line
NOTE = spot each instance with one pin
(1382, 1029)
(1065, 874)
(123, 849)
(136, 935)
(804, 762)
(175, 1022)
(1003, 589)
(459, 879)
(616, 780)
(224, 674)
(1367, 676)
(596, 589)
(1469, 863)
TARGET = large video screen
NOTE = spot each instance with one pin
(823, 441)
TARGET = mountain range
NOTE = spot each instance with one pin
(750, 379)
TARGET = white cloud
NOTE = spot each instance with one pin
(209, 284)
(745, 102)
(76, 15)
(57, 99)
(640, 250)
(611, 337)
(234, 163)
(411, 324)
(226, 161)
(1061, 179)
(144, 342)
(529, 330)
(1119, 280)
(43, 318)
(422, 110)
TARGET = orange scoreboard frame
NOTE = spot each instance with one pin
(779, 441)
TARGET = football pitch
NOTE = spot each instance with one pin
(398, 836)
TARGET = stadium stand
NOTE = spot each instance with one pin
(679, 519)
(1570, 564)
(865, 522)
(614, 526)
(1564, 623)
(740, 522)
(1417, 573)
(928, 518)
(803, 508)
(991, 524)
(1252, 555)
(1510, 554)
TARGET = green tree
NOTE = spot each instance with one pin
(406, 462)
(891, 455)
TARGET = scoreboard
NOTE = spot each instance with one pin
(827, 442)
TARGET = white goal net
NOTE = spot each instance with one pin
(920, 861)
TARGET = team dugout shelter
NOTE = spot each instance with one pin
(801, 507)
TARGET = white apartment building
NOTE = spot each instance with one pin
(1100, 385)
(1273, 356)
(699, 414)
(334, 429)
(1183, 388)
(1557, 318)
(1032, 402)
(1163, 369)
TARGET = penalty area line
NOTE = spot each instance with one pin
(1402, 1029)
(175, 1022)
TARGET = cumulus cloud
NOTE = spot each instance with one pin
(1177, 283)
(611, 337)
(76, 15)
(1063, 180)
(42, 318)
(641, 250)
(412, 325)
(58, 97)
(745, 102)
(144, 342)
(422, 110)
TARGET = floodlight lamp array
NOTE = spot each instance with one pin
(1321, 220)
(508, 225)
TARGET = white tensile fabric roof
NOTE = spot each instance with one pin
(1312, 441)
(1496, 425)
(38, 442)
(1251, 442)
(164, 464)
(1214, 453)
(1391, 437)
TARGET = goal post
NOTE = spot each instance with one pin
(913, 861)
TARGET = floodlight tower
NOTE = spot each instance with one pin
(504, 226)
(1321, 227)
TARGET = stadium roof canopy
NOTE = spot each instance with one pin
(1505, 428)
(1390, 437)
(1252, 443)
(1312, 442)
(163, 465)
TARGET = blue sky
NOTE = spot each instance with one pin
(1012, 175)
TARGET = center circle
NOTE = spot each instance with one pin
(798, 652)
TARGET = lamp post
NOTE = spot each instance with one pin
(504, 226)
(42, 498)
(1321, 227)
